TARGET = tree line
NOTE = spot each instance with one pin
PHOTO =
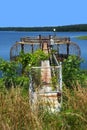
(77, 27)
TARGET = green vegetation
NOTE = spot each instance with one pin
(82, 37)
(28, 60)
(15, 109)
(16, 73)
(74, 28)
(72, 74)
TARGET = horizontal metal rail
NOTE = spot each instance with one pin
(37, 67)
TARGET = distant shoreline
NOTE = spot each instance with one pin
(66, 28)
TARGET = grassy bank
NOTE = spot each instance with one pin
(16, 113)
(82, 37)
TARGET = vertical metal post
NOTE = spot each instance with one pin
(60, 82)
(49, 39)
(30, 89)
(40, 41)
(22, 47)
(60, 76)
(32, 47)
(67, 50)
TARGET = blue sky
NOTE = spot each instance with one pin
(32, 13)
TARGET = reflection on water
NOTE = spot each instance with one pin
(7, 39)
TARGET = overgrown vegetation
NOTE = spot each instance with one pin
(16, 113)
(16, 73)
(15, 109)
(72, 74)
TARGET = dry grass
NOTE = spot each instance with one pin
(16, 113)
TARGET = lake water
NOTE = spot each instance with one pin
(8, 38)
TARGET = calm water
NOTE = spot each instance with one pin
(7, 39)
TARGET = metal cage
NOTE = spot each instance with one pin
(62, 46)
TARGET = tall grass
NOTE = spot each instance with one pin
(16, 113)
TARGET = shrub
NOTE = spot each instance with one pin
(72, 74)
